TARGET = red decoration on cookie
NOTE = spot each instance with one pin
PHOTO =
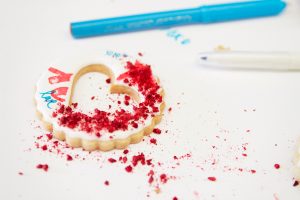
(61, 76)
(58, 92)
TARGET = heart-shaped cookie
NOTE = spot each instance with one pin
(100, 129)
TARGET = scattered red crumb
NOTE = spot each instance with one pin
(54, 114)
(170, 109)
(125, 151)
(163, 178)
(98, 134)
(127, 98)
(244, 154)
(21, 173)
(253, 171)
(212, 178)
(175, 198)
(153, 141)
(156, 131)
(140, 54)
(277, 166)
(135, 125)
(151, 179)
(75, 105)
(296, 183)
(112, 160)
(69, 158)
(175, 157)
(45, 167)
(49, 136)
(149, 162)
(44, 147)
(108, 80)
(93, 97)
(128, 168)
(248, 131)
(106, 183)
(126, 103)
(138, 158)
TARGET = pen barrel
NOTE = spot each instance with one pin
(252, 60)
(242, 10)
(134, 23)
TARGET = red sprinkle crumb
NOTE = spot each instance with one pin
(175, 198)
(140, 54)
(108, 80)
(49, 136)
(277, 166)
(153, 141)
(163, 178)
(244, 154)
(44, 147)
(156, 131)
(128, 168)
(296, 183)
(45, 167)
(253, 171)
(54, 114)
(151, 179)
(212, 178)
(69, 158)
(21, 173)
(170, 109)
(125, 151)
(93, 97)
(106, 183)
(112, 160)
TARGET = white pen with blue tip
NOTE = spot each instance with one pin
(250, 60)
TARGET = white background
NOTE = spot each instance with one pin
(212, 103)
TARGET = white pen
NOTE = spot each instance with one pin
(251, 60)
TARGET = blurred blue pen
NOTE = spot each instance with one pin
(202, 14)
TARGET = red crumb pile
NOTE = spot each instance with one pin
(138, 75)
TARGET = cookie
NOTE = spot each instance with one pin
(134, 96)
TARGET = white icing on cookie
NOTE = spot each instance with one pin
(55, 87)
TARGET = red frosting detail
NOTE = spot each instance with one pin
(61, 76)
(137, 74)
(58, 92)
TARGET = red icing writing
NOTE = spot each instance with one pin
(61, 76)
(58, 92)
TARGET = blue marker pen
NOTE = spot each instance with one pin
(203, 14)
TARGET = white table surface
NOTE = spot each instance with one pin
(214, 105)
